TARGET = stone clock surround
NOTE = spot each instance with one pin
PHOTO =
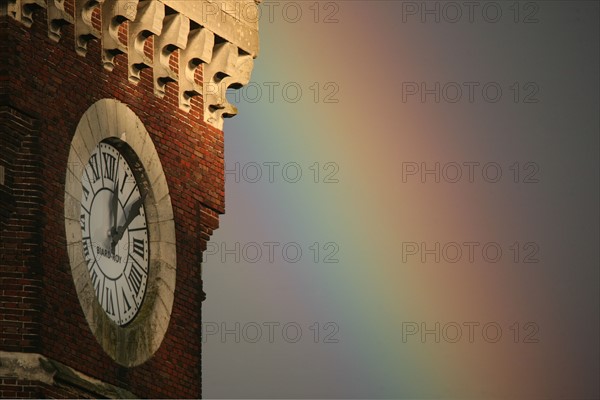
(136, 342)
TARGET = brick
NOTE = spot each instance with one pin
(45, 88)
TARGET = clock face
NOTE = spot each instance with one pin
(114, 229)
(120, 232)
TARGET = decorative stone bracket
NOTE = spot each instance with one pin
(215, 35)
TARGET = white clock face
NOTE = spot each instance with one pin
(114, 230)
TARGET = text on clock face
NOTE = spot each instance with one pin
(114, 232)
(101, 251)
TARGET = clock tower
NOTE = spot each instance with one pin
(111, 184)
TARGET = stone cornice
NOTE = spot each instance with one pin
(219, 36)
(36, 367)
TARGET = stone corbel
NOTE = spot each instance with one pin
(12, 8)
(148, 22)
(84, 30)
(244, 66)
(115, 13)
(57, 18)
(228, 68)
(221, 66)
(199, 50)
(22, 10)
(175, 31)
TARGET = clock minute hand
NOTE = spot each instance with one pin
(134, 211)
(115, 212)
(115, 208)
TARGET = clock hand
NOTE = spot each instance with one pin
(115, 209)
(134, 211)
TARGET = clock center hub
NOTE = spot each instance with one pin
(111, 261)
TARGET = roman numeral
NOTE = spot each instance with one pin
(95, 282)
(86, 250)
(110, 166)
(109, 305)
(134, 189)
(86, 191)
(126, 304)
(82, 221)
(94, 165)
(135, 277)
(138, 247)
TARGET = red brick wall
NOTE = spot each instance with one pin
(47, 91)
(20, 232)
(13, 388)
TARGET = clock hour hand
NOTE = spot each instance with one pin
(134, 211)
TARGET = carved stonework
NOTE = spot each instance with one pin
(199, 51)
(57, 17)
(209, 34)
(176, 28)
(148, 22)
(229, 68)
(114, 14)
(84, 29)
(22, 10)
